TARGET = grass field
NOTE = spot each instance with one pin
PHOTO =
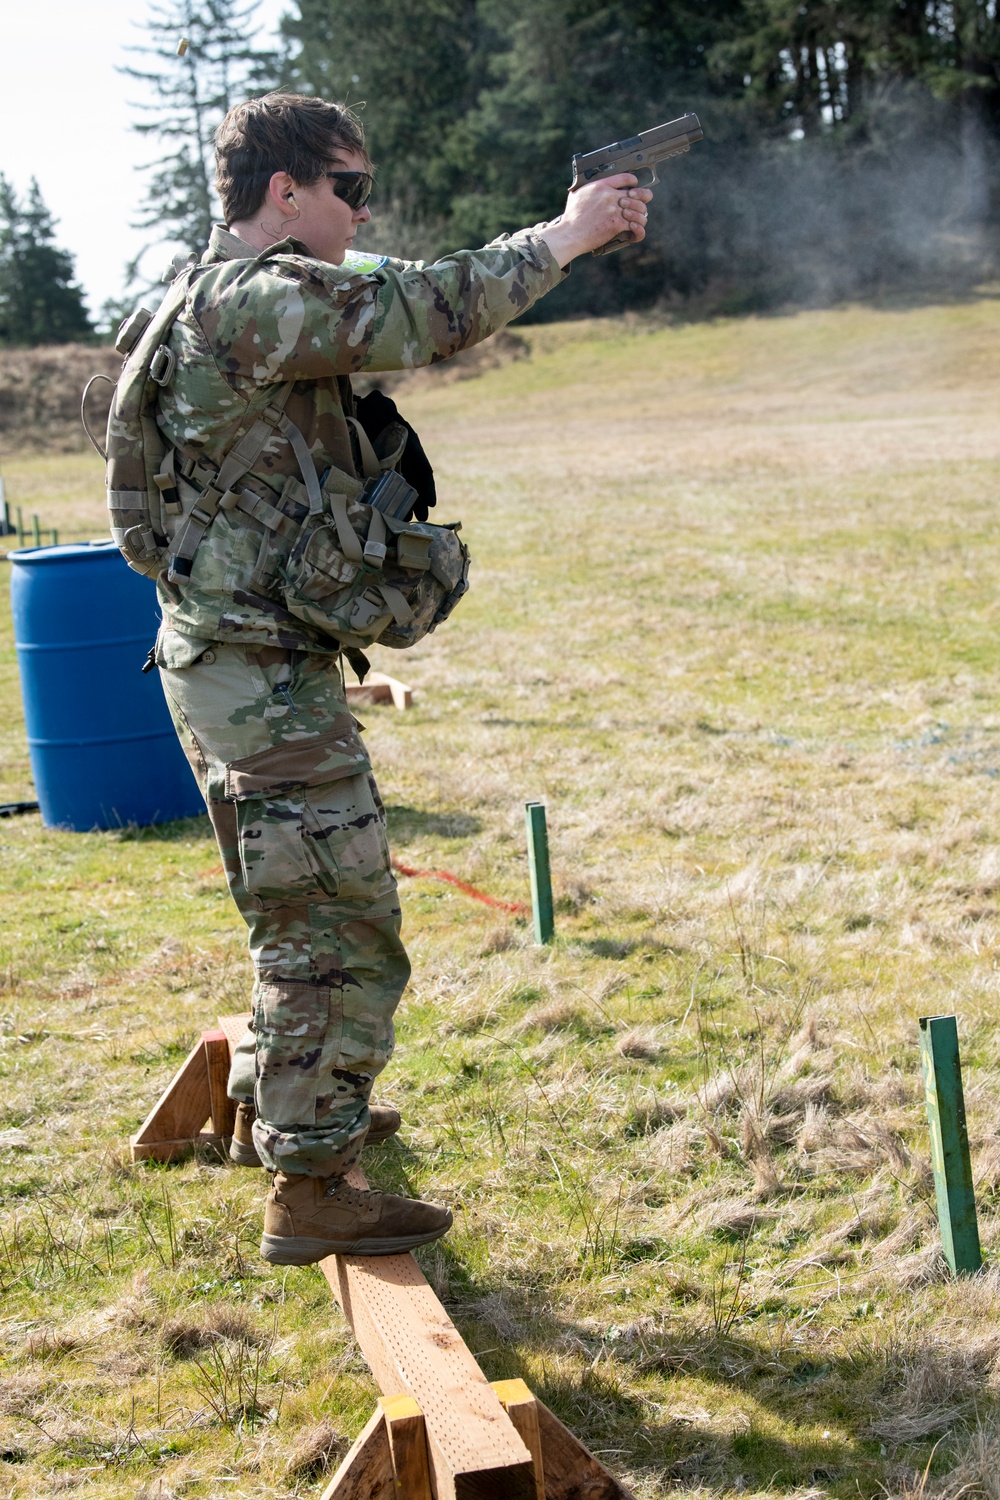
(734, 620)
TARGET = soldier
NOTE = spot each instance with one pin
(282, 304)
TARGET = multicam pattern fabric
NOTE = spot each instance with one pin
(255, 691)
(423, 576)
(254, 322)
(302, 834)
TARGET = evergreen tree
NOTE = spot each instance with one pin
(820, 66)
(475, 107)
(190, 95)
(849, 144)
(963, 64)
(40, 302)
(573, 75)
(421, 63)
(811, 60)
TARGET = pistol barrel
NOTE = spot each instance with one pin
(639, 153)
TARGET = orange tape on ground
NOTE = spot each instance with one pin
(516, 908)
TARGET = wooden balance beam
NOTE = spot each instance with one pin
(441, 1431)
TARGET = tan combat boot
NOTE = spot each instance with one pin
(308, 1218)
(385, 1122)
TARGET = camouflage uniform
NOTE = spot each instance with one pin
(257, 696)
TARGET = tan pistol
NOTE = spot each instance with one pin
(640, 154)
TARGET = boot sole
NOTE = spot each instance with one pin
(246, 1156)
(301, 1250)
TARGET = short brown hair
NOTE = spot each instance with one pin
(279, 133)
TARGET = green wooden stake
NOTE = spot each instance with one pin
(538, 864)
(956, 1201)
(20, 528)
(36, 531)
(55, 536)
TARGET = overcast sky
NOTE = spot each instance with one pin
(65, 118)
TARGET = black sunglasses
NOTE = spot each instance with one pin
(352, 188)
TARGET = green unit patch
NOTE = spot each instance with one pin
(360, 262)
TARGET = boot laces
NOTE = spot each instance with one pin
(350, 1197)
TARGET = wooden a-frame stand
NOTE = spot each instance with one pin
(195, 1108)
(440, 1431)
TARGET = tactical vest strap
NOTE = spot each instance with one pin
(375, 548)
(268, 515)
(233, 467)
(401, 611)
(350, 543)
(369, 459)
(300, 448)
(165, 480)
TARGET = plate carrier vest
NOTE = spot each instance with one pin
(327, 557)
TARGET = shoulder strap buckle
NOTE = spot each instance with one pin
(162, 365)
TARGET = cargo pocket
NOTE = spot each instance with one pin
(309, 827)
(344, 836)
(290, 1022)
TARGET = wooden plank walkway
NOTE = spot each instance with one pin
(441, 1431)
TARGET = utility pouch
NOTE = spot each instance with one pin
(362, 576)
(429, 566)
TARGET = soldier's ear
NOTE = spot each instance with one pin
(279, 188)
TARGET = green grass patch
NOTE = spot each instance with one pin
(734, 620)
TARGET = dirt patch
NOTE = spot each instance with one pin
(40, 389)
(40, 393)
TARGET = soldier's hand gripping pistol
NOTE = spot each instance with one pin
(640, 154)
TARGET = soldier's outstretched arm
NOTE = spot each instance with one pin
(428, 313)
(287, 316)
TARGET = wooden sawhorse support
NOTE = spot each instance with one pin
(195, 1109)
(380, 688)
(441, 1431)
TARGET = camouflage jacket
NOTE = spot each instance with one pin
(254, 322)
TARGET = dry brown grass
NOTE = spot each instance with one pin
(40, 392)
(40, 389)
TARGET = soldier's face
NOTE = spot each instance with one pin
(326, 224)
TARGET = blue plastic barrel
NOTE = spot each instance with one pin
(103, 749)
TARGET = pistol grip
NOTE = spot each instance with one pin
(618, 243)
(646, 176)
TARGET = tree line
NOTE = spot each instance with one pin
(850, 146)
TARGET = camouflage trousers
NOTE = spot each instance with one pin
(301, 830)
